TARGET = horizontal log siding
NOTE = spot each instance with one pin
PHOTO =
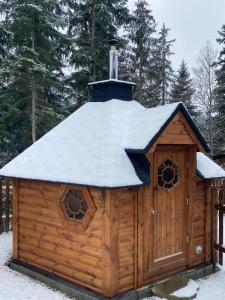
(45, 243)
(199, 223)
(126, 240)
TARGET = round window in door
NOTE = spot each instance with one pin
(168, 174)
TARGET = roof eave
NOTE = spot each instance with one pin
(180, 108)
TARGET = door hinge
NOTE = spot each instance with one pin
(187, 238)
(187, 201)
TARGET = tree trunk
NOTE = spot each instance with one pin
(164, 78)
(140, 83)
(93, 50)
(33, 114)
(210, 114)
(33, 100)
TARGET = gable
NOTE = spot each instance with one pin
(179, 132)
(147, 126)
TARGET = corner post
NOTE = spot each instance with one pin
(111, 280)
(15, 219)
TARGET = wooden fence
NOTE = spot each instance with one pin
(5, 205)
(219, 202)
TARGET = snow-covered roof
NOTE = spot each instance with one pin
(87, 148)
(207, 168)
(102, 144)
(111, 80)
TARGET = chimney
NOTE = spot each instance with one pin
(113, 59)
(112, 88)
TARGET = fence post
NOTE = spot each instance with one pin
(221, 213)
(7, 205)
(214, 224)
(1, 229)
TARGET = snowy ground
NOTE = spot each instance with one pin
(13, 285)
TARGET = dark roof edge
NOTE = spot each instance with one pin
(141, 166)
(211, 178)
(78, 184)
(112, 80)
(180, 108)
(219, 156)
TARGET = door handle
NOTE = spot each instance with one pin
(152, 212)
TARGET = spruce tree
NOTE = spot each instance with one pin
(182, 89)
(220, 92)
(91, 24)
(138, 54)
(162, 56)
(32, 96)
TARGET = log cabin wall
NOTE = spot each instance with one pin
(42, 240)
(202, 229)
(126, 240)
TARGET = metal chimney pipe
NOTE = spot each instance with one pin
(113, 60)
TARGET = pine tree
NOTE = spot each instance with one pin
(182, 89)
(32, 96)
(92, 24)
(220, 92)
(140, 44)
(162, 56)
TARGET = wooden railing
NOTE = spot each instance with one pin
(219, 202)
(5, 205)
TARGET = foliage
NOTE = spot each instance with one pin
(32, 89)
(182, 89)
(220, 92)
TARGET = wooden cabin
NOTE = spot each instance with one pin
(116, 196)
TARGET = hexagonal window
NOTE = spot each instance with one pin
(168, 174)
(78, 206)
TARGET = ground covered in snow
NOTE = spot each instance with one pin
(13, 285)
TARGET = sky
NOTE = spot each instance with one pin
(192, 23)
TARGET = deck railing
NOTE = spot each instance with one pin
(219, 202)
(5, 205)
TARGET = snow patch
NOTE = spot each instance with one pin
(14, 285)
(188, 291)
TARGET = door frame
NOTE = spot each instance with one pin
(145, 219)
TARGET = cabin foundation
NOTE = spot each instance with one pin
(74, 291)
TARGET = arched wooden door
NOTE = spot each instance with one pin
(165, 231)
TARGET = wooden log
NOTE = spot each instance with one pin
(7, 205)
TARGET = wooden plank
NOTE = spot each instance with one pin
(15, 219)
(110, 282)
(191, 197)
(221, 213)
(136, 241)
(214, 226)
(7, 204)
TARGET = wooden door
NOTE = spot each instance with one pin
(167, 225)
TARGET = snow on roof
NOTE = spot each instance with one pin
(145, 124)
(87, 148)
(207, 168)
(92, 147)
(111, 80)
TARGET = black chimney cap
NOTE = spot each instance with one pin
(113, 42)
